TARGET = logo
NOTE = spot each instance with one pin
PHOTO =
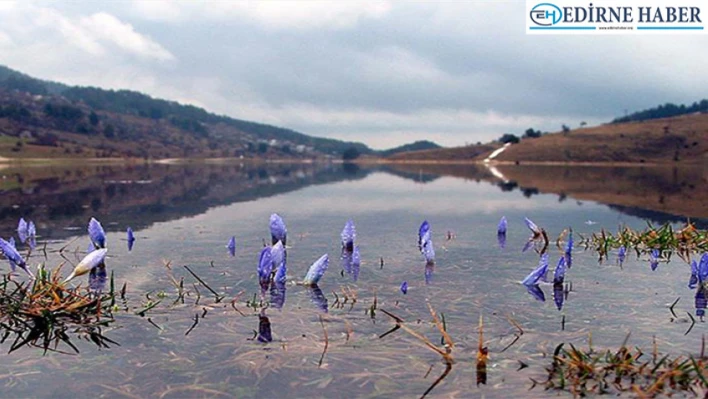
(546, 14)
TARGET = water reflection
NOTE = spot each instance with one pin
(318, 298)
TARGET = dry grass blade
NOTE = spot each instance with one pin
(448, 340)
(399, 323)
(326, 345)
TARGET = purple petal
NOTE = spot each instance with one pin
(532, 226)
(423, 234)
(96, 233)
(278, 256)
(22, 230)
(264, 332)
(404, 287)
(536, 292)
(621, 254)
(265, 266)
(12, 255)
(277, 294)
(278, 231)
(231, 246)
(539, 273)
(317, 270)
(654, 259)
(693, 281)
(356, 263)
(131, 238)
(703, 268)
(558, 295)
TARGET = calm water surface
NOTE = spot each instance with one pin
(184, 215)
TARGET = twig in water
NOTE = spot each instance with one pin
(693, 323)
(196, 321)
(326, 345)
(153, 323)
(218, 297)
(671, 308)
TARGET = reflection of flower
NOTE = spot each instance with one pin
(348, 236)
(501, 232)
(621, 254)
(536, 292)
(559, 273)
(558, 295)
(232, 246)
(264, 333)
(277, 294)
(317, 297)
(569, 250)
(654, 259)
(131, 241)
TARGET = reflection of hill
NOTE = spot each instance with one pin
(424, 173)
(60, 197)
(656, 193)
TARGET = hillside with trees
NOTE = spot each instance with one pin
(664, 111)
(49, 119)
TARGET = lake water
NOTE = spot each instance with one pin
(185, 215)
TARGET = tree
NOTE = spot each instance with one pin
(350, 154)
(93, 118)
(583, 124)
(509, 138)
(531, 134)
(566, 129)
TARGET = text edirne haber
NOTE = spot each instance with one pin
(622, 14)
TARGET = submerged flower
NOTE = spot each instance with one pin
(404, 287)
(539, 273)
(654, 259)
(278, 231)
(348, 235)
(559, 273)
(265, 266)
(277, 253)
(501, 232)
(96, 234)
(22, 230)
(88, 263)
(316, 271)
(131, 238)
(14, 257)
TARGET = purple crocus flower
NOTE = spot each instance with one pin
(569, 250)
(278, 231)
(346, 260)
(348, 236)
(621, 254)
(316, 271)
(404, 287)
(693, 281)
(277, 254)
(22, 230)
(703, 269)
(425, 242)
(654, 259)
(559, 273)
(539, 273)
(32, 235)
(265, 266)
(501, 232)
(96, 234)
(131, 238)
(535, 234)
(14, 257)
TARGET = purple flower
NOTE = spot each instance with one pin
(22, 230)
(569, 250)
(693, 281)
(14, 257)
(539, 273)
(621, 254)
(89, 262)
(700, 301)
(32, 235)
(278, 231)
(316, 271)
(348, 236)
(532, 226)
(131, 238)
(265, 266)
(425, 242)
(654, 259)
(277, 253)
(404, 287)
(703, 269)
(96, 234)
(559, 273)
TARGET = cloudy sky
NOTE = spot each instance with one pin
(384, 73)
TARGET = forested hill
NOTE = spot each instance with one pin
(664, 111)
(123, 122)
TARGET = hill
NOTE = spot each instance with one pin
(49, 119)
(415, 146)
(456, 154)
